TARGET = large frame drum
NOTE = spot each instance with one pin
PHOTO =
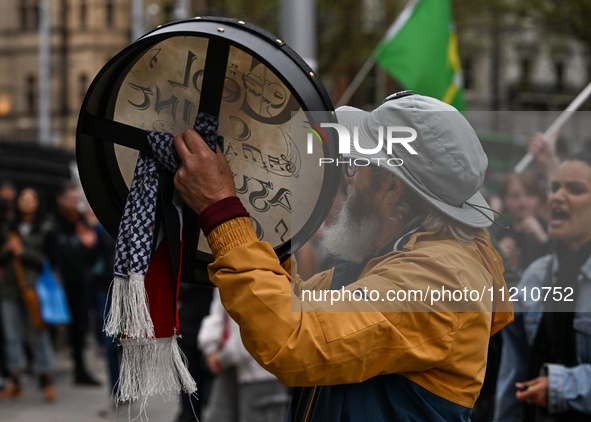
(263, 94)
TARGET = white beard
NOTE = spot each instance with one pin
(353, 234)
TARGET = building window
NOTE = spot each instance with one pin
(109, 13)
(83, 85)
(29, 15)
(23, 16)
(83, 14)
(35, 14)
(525, 72)
(31, 95)
(559, 74)
(467, 73)
(371, 86)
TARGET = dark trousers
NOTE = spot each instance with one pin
(76, 293)
(111, 349)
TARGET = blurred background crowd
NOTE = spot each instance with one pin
(515, 65)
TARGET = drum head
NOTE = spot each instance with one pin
(265, 96)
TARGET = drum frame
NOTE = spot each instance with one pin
(97, 133)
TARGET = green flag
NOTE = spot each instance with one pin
(420, 50)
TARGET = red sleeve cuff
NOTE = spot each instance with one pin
(220, 212)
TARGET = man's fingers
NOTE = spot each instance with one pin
(189, 142)
(178, 179)
(194, 141)
(181, 147)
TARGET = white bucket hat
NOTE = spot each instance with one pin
(449, 165)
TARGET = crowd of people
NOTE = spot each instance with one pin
(78, 251)
(246, 340)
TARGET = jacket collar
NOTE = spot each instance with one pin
(585, 269)
(398, 244)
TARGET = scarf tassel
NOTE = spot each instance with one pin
(130, 313)
(153, 366)
(149, 365)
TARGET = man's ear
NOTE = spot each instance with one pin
(395, 189)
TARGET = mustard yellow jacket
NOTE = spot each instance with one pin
(309, 343)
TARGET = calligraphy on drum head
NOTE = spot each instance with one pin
(175, 98)
(286, 163)
(162, 92)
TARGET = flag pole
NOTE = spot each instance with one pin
(371, 60)
(557, 124)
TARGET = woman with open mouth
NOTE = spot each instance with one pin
(546, 363)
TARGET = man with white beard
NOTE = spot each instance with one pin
(377, 353)
(357, 222)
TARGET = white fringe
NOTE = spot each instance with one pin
(139, 323)
(130, 313)
(114, 321)
(150, 367)
(182, 368)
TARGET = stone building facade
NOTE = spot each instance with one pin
(519, 76)
(85, 34)
(520, 65)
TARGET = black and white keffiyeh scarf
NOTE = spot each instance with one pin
(144, 290)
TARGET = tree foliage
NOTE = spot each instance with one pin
(570, 17)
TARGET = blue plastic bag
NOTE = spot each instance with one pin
(52, 298)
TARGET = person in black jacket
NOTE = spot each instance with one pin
(73, 252)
